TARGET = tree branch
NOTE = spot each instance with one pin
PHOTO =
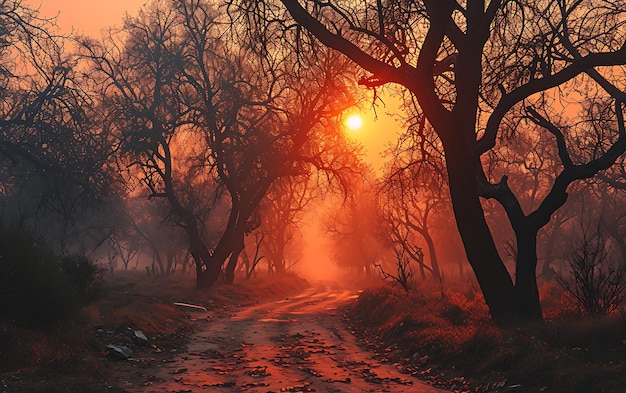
(303, 17)
(578, 66)
(538, 119)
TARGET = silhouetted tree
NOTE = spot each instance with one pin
(480, 72)
(596, 279)
(403, 274)
(413, 191)
(202, 119)
(280, 212)
(54, 173)
(610, 204)
(358, 233)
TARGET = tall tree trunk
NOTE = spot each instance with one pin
(612, 227)
(278, 251)
(422, 271)
(237, 247)
(207, 271)
(432, 254)
(526, 305)
(482, 254)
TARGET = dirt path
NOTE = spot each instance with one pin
(299, 344)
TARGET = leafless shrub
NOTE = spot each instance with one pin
(404, 271)
(598, 281)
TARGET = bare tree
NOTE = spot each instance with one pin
(250, 264)
(358, 233)
(413, 191)
(280, 212)
(481, 72)
(204, 121)
(613, 200)
(402, 264)
(53, 160)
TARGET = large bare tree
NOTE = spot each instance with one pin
(204, 120)
(482, 71)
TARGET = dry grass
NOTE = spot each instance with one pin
(567, 353)
(69, 356)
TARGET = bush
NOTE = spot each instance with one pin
(36, 286)
(84, 274)
(404, 272)
(598, 282)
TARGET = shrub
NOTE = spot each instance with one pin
(84, 274)
(36, 286)
(404, 272)
(598, 282)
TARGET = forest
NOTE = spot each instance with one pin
(202, 149)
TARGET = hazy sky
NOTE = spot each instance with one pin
(87, 17)
(90, 17)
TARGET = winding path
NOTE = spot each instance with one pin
(299, 344)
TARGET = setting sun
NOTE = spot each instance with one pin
(354, 122)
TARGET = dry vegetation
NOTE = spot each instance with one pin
(69, 356)
(449, 337)
(444, 336)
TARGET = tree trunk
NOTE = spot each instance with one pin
(422, 271)
(526, 305)
(237, 247)
(207, 270)
(279, 265)
(208, 277)
(277, 250)
(432, 255)
(482, 254)
(612, 227)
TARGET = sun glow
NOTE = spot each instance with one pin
(354, 122)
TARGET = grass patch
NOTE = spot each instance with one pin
(449, 337)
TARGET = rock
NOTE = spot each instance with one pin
(139, 337)
(119, 352)
(100, 331)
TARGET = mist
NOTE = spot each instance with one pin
(313, 196)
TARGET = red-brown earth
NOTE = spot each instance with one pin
(300, 343)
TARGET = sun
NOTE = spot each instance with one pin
(354, 122)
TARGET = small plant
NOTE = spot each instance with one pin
(598, 282)
(404, 271)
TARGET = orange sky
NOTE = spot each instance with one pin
(377, 133)
(90, 17)
(87, 17)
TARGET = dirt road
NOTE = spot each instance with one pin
(299, 344)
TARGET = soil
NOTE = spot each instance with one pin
(301, 343)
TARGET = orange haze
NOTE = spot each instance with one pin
(90, 17)
(87, 17)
